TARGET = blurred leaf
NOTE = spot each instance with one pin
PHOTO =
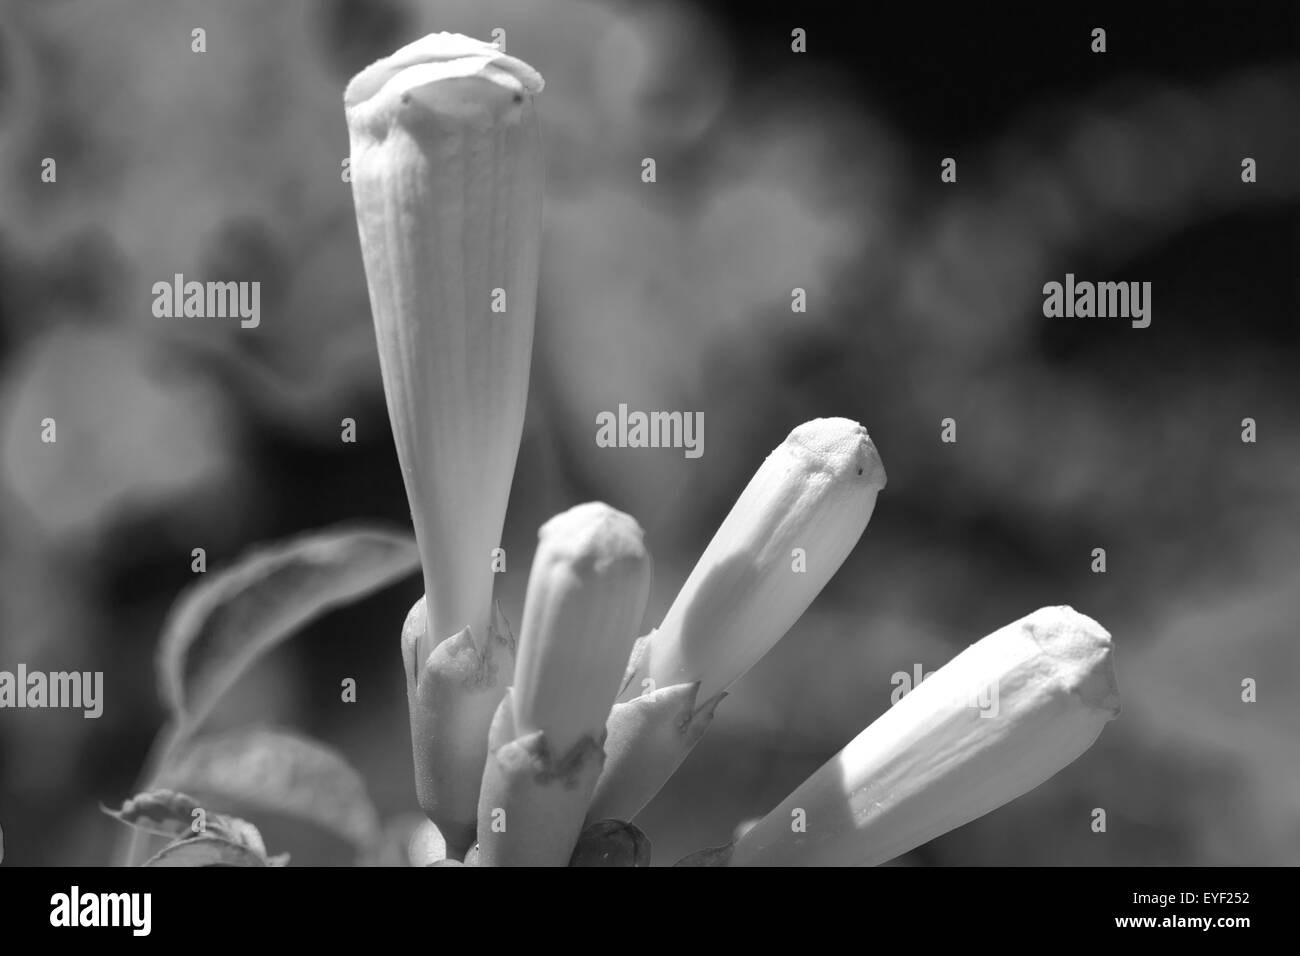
(223, 840)
(160, 812)
(168, 813)
(279, 772)
(234, 830)
(611, 843)
(709, 856)
(207, 851)
(231, 618)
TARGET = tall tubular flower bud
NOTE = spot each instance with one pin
(446, 171)
(586, 596)
(996, 721)
(787, 534)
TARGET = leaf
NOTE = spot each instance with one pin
(160, 812)
(237, 831)
(206, 851)
(279, 772)
(709, 856)
(611, 843)
(168, 813)
(225, 622)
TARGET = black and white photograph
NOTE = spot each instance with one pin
(582, 433)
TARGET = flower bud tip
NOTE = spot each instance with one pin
(416, 69)
(1084, 649)
(839, 447)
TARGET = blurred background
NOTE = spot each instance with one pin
(775, 170)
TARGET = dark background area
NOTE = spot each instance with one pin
(775, 170)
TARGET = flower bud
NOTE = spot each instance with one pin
(996, 721)
(446, 171)
(586, 596)
(787, 534)
(587, 593)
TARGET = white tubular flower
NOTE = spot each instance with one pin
(446, 171)
(1000, 718)
(586, 596)
(787, 534)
